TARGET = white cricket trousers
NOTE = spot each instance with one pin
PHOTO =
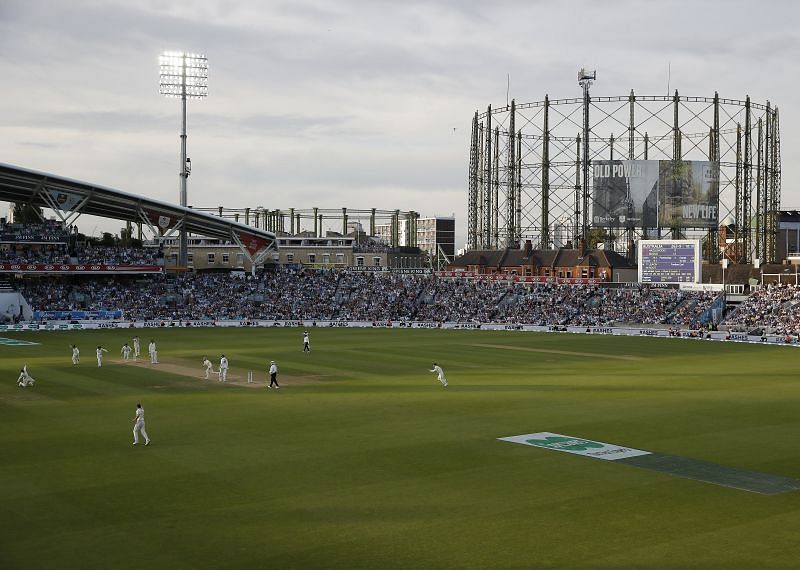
(139, 428)
(75, 360)
(223, 374)
(154, 357)
(99, 361)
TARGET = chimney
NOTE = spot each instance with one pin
(528, 247)
(581, 247)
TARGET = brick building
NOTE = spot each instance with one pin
(564, 263)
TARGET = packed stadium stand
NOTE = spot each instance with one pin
(294, 294)
(774, 309)
(50, 273)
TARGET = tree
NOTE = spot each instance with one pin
(26, 214)
(598, 236)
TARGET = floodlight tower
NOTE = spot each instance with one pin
(183, 76)
(585, 80)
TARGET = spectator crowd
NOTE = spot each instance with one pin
(302, 294)
(774, 309)
(88, 255)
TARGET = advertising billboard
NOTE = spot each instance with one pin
(655, 193)
(669, 261)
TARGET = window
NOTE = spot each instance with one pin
(211, 258)
(376, 261)
(359, 261)
(340, 258)
(584, 272)
(312, 258)
(226, 258)
(289, 258)
(189, 258)
(240, 259)
(326, 258)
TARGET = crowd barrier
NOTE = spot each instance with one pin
(308, 324)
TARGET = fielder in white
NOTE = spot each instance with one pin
(126, 351)
(208, 366)
(76, 355)
(438, 370)
(223, 369)
(137, 348)
(151, 348)
(25, 379)
(100, 350)
(138, 426)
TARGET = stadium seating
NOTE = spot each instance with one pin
(290, 294)
(774, 309)
(60, 253)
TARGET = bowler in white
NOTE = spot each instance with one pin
(138, 426)
(76, 355)
(100, 350)
(137, 348)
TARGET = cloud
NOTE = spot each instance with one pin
(349, 103)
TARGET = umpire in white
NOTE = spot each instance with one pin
(273, 375)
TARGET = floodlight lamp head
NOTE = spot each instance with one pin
(183, 75)
(585, 78)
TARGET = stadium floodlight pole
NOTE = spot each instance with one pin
(183, 76)
(585, 80)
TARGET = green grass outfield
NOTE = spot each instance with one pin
(363, 460)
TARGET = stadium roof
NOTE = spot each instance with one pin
(70, 198)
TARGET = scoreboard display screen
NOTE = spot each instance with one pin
(669, 261)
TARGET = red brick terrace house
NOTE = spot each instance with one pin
(527, 262)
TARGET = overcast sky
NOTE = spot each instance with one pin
(352, 103)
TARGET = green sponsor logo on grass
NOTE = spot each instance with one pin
(576, 445)
(565, 443)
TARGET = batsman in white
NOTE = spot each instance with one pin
(137, 348)
(208, 366)
(126, 351)
(223, 369)
(100, 350)
(138, 426)
(76, 355)
(440, 373)
(151, 348)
